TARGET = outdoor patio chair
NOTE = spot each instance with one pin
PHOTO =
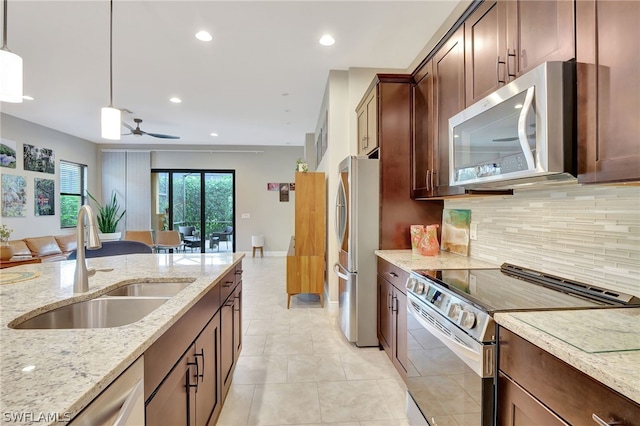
(224, 235)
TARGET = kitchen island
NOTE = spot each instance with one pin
(53, 374)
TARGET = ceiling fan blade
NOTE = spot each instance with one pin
(127, 126)
(126, 134)
(161, 136)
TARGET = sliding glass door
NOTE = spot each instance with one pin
(200, 204)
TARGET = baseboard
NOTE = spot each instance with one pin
(266, 253)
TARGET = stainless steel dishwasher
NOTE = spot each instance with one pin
(120, 404)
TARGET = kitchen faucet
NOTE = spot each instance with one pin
(81, 278)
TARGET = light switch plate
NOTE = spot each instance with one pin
(246, 215)
(473, 231)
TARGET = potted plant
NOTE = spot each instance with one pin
(108, 217)
(301, 166)
(6, 251)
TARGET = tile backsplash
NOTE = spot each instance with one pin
(586, 233)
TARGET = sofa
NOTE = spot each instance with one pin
(49, 248)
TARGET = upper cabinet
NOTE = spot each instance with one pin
(505, 39)
(608, 77)
(367, 112)
(438, 94)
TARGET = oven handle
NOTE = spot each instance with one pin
(475, 357)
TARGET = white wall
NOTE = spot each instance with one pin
(269, 216)
(65, 147)
(588, 233)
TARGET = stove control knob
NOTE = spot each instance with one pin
(419, 288)
(468, 319)
(454, 311)
(411, 282)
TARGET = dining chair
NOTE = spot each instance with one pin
(166, 240)
(142, 236)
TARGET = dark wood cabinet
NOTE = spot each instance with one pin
(449, 96)
(536, 388)
(423, 152)
(504, 39)
(231, 336)
(538, 31)
(206, 342)
(516, 407)
(608, 86)
(398, 211)
(485, 50)
(173, 403)
(367, 112)
(207, 354)
(392, 314)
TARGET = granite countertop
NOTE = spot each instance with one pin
(603, 343)
(408, 261)
(69, 368)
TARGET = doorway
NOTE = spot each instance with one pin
(200, 204)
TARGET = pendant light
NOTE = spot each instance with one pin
(110, 117)
(10, 69)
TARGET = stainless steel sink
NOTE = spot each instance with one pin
(150, 289)
(94, 313)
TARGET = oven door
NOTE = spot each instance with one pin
(451, 375)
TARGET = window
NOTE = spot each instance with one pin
(73, 184)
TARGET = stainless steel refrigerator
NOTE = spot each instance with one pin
(357, 229)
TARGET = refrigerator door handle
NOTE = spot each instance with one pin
(336, 268)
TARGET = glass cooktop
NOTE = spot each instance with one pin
(494, 290)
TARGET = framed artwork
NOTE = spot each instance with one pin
(7, 153)
(273, 186)
(319, 149)
(325, 132)
(292, 186)
(44, 197)
(284, 192)
(14, 196)
(38, 159)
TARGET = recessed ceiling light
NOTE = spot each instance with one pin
(327, 40)
(204, 36)
(175, 100)
(27, 98)
(214, 134)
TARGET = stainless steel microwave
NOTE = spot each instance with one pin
(521, 133)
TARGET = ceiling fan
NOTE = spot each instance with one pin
(138, 132)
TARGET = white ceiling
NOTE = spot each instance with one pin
(233, 85)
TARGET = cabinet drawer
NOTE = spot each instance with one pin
(570, 393)
(227, 284)
(394, 274)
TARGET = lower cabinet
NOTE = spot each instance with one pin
(536, 388)
(231, 319)
(392, 314)
(206, 341)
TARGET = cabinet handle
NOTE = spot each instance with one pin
(601, 422)
(227, 284)
(201, 375)
(189, 385)
(237, 305)
(239, 272)
(393, 274)
(511, 55)
(229, 303)
(394, 301)
(498, 69)
(428, 179)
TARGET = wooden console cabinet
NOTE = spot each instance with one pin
(306, 255)
(188, 370)
(536, 388)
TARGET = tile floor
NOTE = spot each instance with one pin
(296, 367)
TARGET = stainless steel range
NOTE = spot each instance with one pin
(451, 334)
